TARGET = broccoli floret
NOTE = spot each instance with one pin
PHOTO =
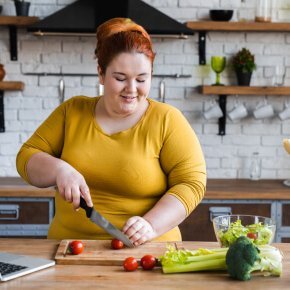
(243, 257)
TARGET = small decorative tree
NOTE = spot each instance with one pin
(244, 65)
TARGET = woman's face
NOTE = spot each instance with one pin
(126, 83)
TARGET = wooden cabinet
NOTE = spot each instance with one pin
(283, 221)
(285, 215)
(268, 198)
(198, 226)
(25, 217)
(25, 211)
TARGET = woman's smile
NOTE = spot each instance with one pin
(127, 82)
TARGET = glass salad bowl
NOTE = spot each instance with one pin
(261, 230)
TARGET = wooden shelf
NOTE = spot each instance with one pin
(224, 91)
(13, 22)
(11, 86)
(239, 26)
(18, 20)
(205, 26)
(7, 86)
(240, 90)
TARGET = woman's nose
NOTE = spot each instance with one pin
(131, 86)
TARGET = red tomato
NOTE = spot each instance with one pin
(117, 244)
(130, 264)
(148, 262)
(252, 236)
(76, 247)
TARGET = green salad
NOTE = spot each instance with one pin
(258, 233)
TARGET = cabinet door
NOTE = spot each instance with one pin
(25, 216)
(24, 212)
(198, 225)
(286, 215)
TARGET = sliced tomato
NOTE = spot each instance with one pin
(252, 236)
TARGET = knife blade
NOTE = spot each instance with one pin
(102, 222)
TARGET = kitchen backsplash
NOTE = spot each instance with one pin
(227, 156)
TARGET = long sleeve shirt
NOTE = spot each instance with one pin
(127, 172)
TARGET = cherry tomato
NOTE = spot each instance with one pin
(130, 264)
(252, 236)
(76, 247)
(148, 262)
(117, 244)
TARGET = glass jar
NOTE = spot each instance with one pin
(255, 167)
(263, 11)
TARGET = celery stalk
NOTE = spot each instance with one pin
(177, 261)
(206, 265)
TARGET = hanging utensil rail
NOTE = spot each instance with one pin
(177, 76)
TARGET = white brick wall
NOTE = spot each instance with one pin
(227, 156)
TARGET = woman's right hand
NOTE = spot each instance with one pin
(71, 185)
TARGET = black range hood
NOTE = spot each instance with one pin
(84, 16)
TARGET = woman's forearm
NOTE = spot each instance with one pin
(42, 169)
(168, 213)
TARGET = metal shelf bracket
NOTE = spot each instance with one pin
(222, 120)
(13, 42)
(2, 122)
(202, 47)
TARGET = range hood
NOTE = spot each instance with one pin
(84, 16)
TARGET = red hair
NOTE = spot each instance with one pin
(119, 35)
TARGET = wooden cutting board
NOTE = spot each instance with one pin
(100, 252)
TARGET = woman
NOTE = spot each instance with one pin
(137, 160)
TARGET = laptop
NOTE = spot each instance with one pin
(14, 265)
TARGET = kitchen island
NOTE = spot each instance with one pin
(114, 277)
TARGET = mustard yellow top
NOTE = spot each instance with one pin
(127, 172)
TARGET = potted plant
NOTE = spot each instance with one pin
(22, 7)
(244, 65)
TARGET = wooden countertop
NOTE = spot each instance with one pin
(114, 277)
(17, 187)
(216, 189)
(246, 189)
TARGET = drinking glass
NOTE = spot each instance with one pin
(286, 145)
(279, 76)
(218, 64)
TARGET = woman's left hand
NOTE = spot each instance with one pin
(139, 230)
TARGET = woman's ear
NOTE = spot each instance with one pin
(101, 76)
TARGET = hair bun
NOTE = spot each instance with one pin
(116, 25)
(119, 35)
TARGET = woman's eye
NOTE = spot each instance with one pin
(140, 81)
(120, 80)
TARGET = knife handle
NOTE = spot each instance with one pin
(84, 205)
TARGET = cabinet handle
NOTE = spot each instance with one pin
(215, 211)
(9, 212)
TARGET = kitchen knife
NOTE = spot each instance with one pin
(99, 220)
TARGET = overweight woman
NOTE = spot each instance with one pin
(138, 161)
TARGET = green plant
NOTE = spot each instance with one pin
(244, 61)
